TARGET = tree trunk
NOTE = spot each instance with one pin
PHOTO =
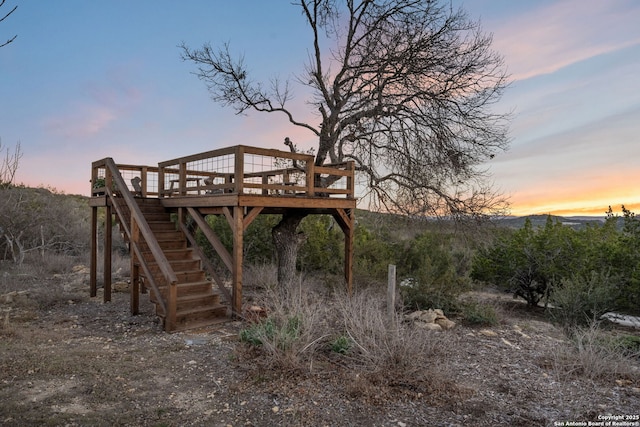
(287, 242)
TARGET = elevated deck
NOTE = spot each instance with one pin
(270, 178)
(239, 183)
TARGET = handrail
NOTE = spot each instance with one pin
(240, 173)
(136, 214)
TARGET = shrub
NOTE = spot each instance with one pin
(388, 349)
(481, 314)
(294, 328)
(432, 280)
(583, 298)
(341, 344)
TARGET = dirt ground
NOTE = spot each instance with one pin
(81, 362)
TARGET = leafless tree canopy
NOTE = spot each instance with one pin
(5, 17)
(405, 88)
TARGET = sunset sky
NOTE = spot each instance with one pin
(87, 79)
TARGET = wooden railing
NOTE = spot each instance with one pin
(140, 228)
(263, 172)
(146, 176)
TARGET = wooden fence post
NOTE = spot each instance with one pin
(391, 292)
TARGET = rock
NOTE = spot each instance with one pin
(13, 296)
(414, 315)
(120, 287)
(428, 326)
(428, 316)
(445, 323)
(432, 320)
(488, 333)
(254, 313)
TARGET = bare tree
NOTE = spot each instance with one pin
(406, 92)
(5, 17)
(9, 165)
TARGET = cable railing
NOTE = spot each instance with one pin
(240, 170)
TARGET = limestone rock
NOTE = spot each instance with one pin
(428, 326)
(432, 320)
(120, 286)
(445, 323)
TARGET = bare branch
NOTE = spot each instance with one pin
(406, 90)
(9, 165)
(5, 17)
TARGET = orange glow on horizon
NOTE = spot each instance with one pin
(573, 208)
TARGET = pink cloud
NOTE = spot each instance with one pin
(82, 123)
(566, 32)
(106, 101)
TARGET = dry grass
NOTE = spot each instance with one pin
(592, 353)
(309, 329)
(296, 326)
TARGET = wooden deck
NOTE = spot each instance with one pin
(239, 183)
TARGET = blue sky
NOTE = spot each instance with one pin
(90, 79)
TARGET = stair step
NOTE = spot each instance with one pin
(190, 276)
(198, 303)
(202, 323)
(162, 226)
(191, 288)
(168, 235)
(200, 316)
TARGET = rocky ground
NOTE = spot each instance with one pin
(80, 362)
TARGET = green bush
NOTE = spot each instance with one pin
(281, 333)
(341, 344)
(479, 314)
(583, 298)
(431, 279)
(529, 262)
(323, 249)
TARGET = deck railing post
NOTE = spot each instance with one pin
(351, 167)
(239, 169)
(311, 178)
(144, 181)
(160, 181)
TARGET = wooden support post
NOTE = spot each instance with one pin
(238, 234)
(135, 273)
(349, 233)
(135, 286)
(107, 253)
(172, 308)
(346, 220)
(93, 263)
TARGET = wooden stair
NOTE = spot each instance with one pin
(198, 302)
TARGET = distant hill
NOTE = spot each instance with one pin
(577, 222)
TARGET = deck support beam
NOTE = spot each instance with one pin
(108, 224)
(238, 235)
(346, 220)
(93, 263)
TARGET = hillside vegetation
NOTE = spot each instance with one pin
(313, 355)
